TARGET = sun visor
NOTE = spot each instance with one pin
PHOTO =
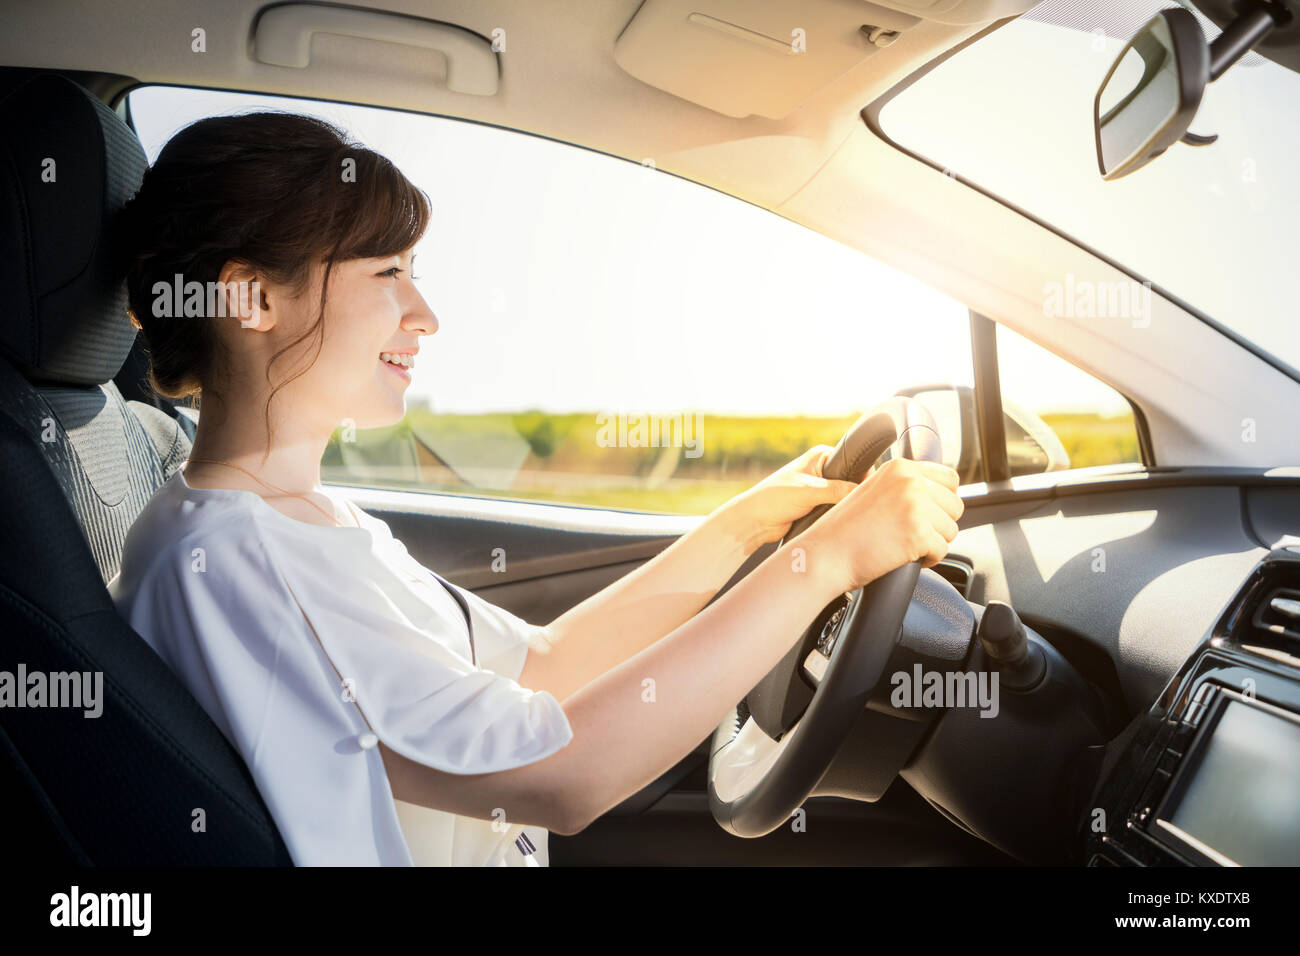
(753, 57)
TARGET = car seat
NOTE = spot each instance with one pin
(151, 781)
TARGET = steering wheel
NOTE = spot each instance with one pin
(770, 752)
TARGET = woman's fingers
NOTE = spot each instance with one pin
(942, 474)
(947, 499)
(814, 459)
(938, 548)
(838, 489)
(944, 524)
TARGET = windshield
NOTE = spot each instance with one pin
(1214, 226)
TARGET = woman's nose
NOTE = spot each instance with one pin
(419, 318)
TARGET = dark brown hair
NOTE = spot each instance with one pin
(279, 191)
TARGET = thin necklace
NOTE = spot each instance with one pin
(215, 461)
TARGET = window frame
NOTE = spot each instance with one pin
(989, 424)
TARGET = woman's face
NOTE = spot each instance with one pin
(372, 309)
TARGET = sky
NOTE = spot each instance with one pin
(567, 280)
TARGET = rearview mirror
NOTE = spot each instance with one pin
(1149, 97)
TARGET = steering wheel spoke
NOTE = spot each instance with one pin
(837, 613)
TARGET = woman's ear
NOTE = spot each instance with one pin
(241, 294)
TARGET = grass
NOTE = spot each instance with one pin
(568, 458)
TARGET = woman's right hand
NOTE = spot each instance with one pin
(902, 512)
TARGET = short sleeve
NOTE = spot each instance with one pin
(502, 640)
(423, 700)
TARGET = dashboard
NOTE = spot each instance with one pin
(1210, 774)
(1157, 590)
(1136, 581)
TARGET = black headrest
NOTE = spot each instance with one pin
(69, 165)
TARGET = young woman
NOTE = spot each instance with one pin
(387, 716)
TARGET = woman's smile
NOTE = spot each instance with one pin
(399, 362)
(397, 370)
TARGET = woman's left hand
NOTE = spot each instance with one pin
(766, 511)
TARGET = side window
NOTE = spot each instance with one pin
(611, 335)
(1058, 416)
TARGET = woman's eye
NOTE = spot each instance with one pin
(392, 273)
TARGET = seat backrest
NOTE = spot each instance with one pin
(150, 780)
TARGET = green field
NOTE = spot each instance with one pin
(1093, 440)
(568, 458)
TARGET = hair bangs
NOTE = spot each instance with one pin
(388, 213)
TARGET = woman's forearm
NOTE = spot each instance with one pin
(632, 723)
(640, 607)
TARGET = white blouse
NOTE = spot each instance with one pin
(228, 590)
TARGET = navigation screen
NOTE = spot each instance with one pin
(1243, 799)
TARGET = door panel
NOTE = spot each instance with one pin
(1173, 549)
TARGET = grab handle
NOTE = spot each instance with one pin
(283, 38)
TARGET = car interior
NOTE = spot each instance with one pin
(1144, 616)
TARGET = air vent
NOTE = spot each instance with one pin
(1279, 613)
(1265, 618)
(958, 572)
